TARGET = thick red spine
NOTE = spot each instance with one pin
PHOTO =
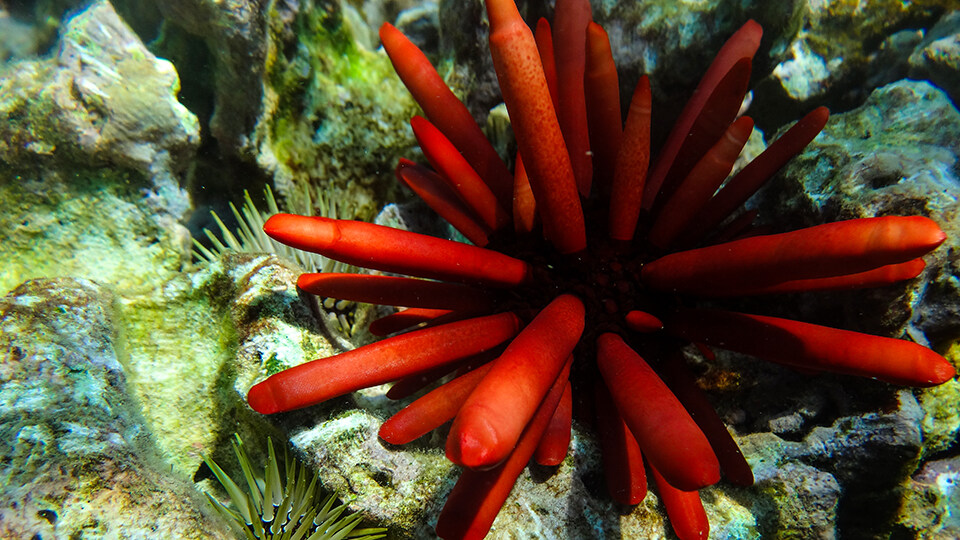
(684, 508)
(742, 45)
(878, 277)
(439, 196)
(487, 427)
(477, 497)
(446, 111)
(457, 172)
(570, 20)
(525, 92)
(396, 291)
(622, 459)
(393, 250)
(700, 184)
(668, 437)
(556, 439)
(602, 92)
(683, 385)
(380, 362)
(432, 410)
(630, 170)
(810, 346)
(830, 250)
(746, 182)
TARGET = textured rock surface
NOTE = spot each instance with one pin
(94, 139)
(81, 106)
(77, 457)
(407, 486)
(838, 52)
(234, 34)
(937, 56)
(932, 498)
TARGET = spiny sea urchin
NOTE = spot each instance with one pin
(583, 254)
(287, 506)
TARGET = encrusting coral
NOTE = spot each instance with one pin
(583, 282)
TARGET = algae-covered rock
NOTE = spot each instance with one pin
(77, 457)
(937, 57)
(334, 115)
(406, 487)
(837, 53)
(92, 143)
(92, 223)
(233, 32)
(941, 425)
(931, 499)
(101, 99)
(821, 487)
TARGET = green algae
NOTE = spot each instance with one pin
(56, 224)
(335, 114)
(941, 424)
(178, 349)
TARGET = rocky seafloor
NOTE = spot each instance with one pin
(127, 357)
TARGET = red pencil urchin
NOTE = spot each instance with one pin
(583, 281)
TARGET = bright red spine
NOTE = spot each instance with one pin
(488, 425)
(556, 439)
(622, 459)
(684, 508)
(395, 291)
(570, 20)
(630, 170)
(380, 362)
(525, 92)
(432, 410)
(743, 44)
(811, 346)
(602, 93)
(445, 111)
(394, 250)
(477, 497)
(668, 437)
(833, 249)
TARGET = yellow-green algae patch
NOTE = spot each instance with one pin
(178, 350)
(941, 424)
(334, 114)
(931, 496)
(83, 224)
